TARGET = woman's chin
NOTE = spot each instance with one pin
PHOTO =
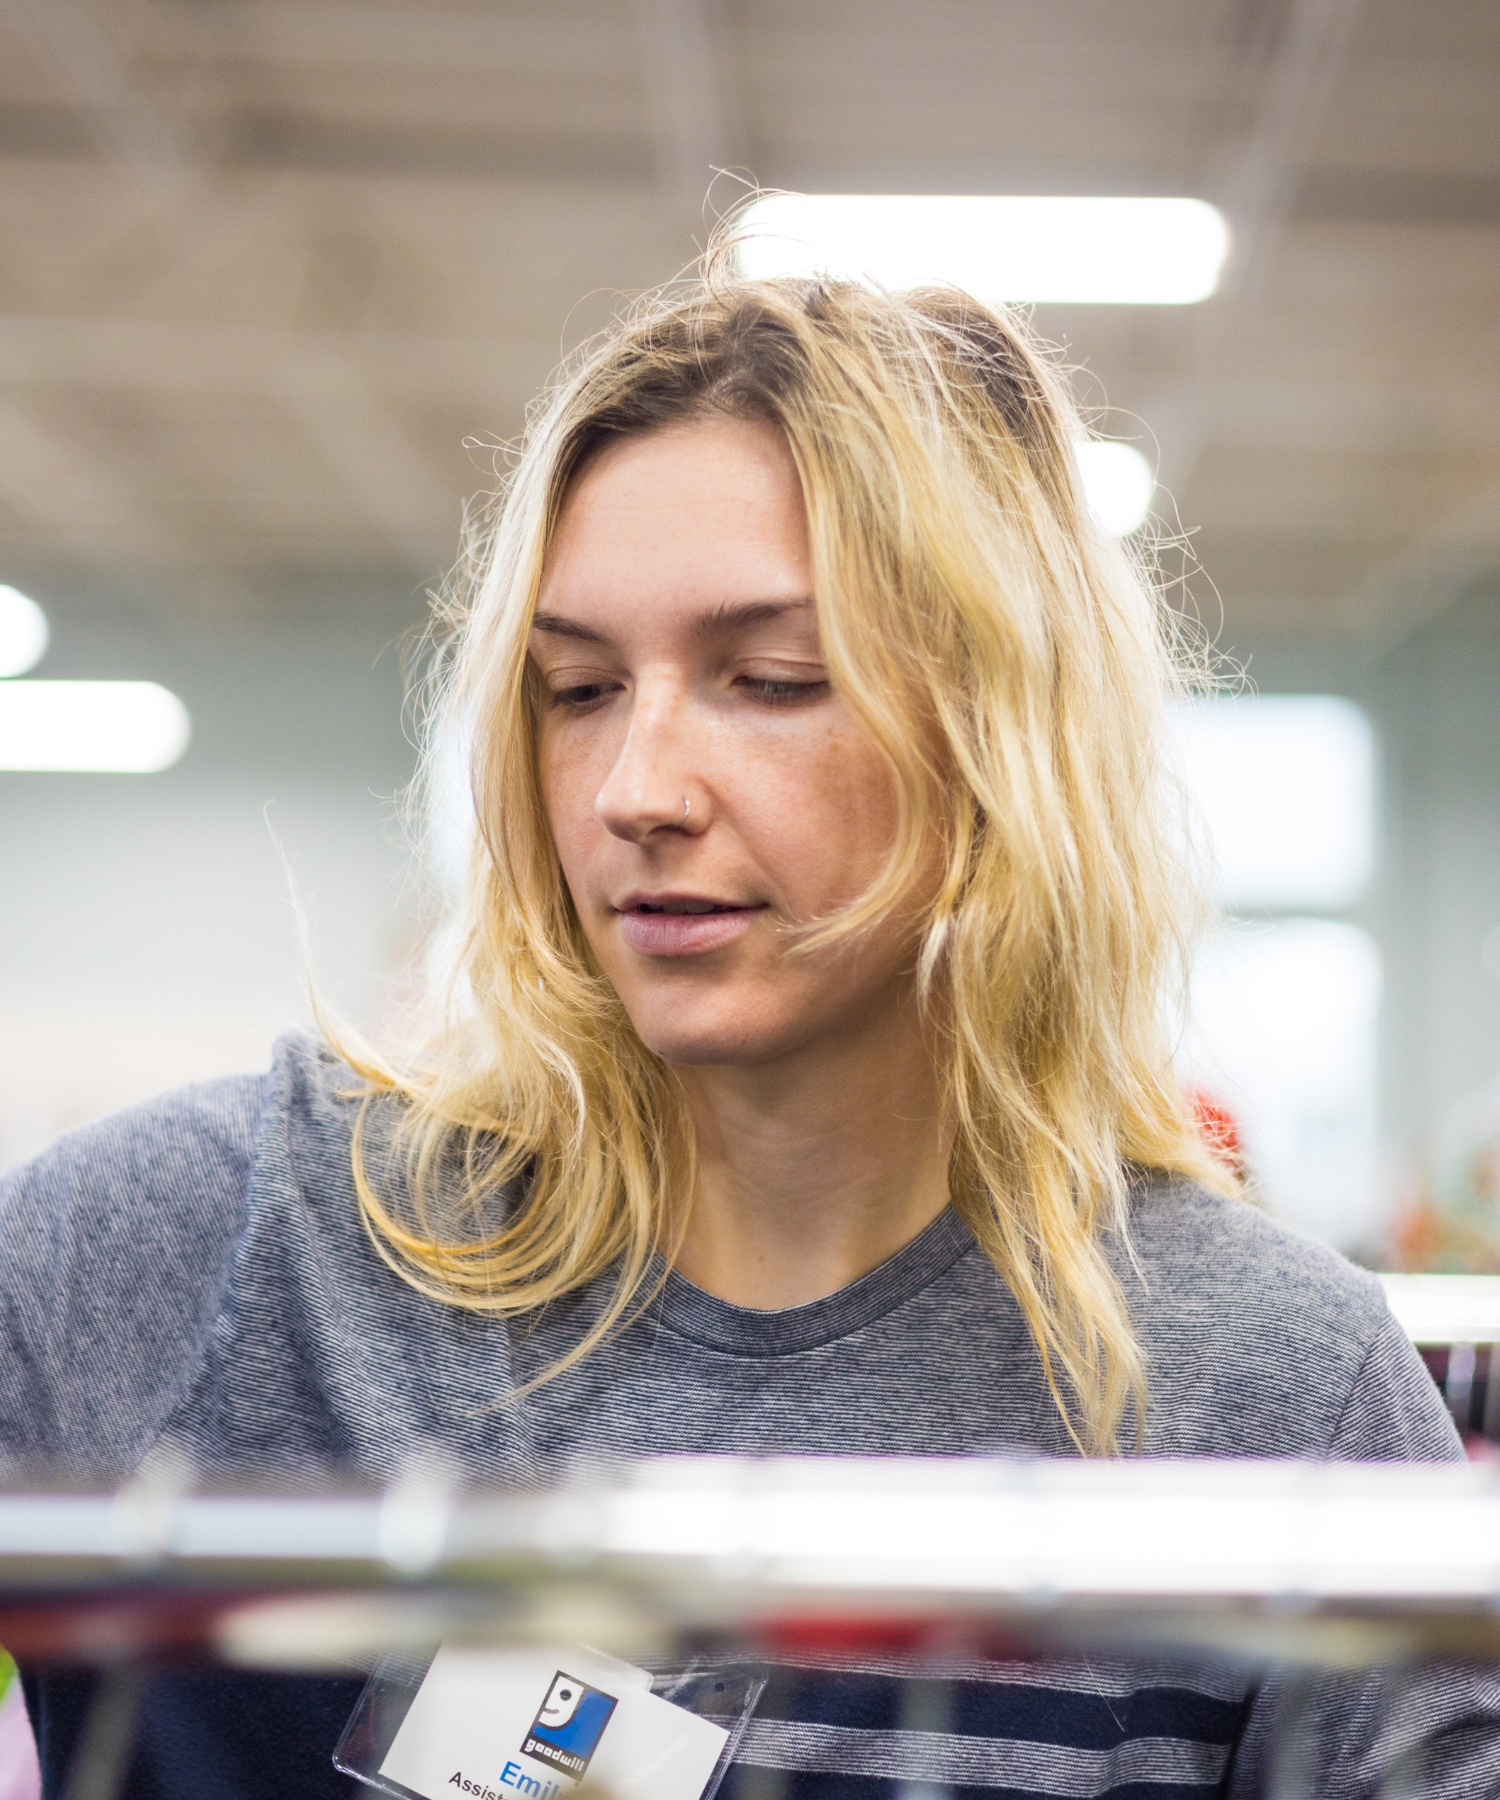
(677, 1037)
(757, 1024)
(707, 1050)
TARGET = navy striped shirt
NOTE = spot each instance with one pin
(1059, 1727)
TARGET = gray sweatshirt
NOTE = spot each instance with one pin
(195, 1270)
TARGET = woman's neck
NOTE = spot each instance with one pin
(815, 1169)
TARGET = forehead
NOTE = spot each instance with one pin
(707, 512)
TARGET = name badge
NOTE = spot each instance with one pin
(531, 1724)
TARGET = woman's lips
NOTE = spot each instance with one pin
(683, 933)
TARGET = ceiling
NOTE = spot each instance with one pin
(265, 268)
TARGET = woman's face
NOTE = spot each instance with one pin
(705, 785)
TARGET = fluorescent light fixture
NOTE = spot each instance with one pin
(113, 727)
(1117, 483)
(1065, 249)
(1286, 784)
(23, 632)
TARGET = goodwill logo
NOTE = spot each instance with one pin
(566, 1731)
(530, 1723)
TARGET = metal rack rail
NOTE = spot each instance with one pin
(1320, 1563)
(1445, 1309)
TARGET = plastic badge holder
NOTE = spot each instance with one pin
(535, 1724)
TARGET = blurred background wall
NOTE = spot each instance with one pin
(265, 268)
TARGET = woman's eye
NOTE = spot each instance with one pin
(582, 696)
(782, 693)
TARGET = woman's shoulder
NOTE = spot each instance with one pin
(174, 1158)
(184, 1154)
(114, 1243)
(156, 1195)
(1197, 1245)
(1263, 1341)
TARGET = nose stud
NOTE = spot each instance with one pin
(687, 807)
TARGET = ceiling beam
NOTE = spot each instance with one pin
(157, 356)
(1457, 552)
(316, 378)
(46, 477)
(45, 474)
(374, 461)
(364, 447)
(1456, 555)
(92, 71)
(681, 67)
(93, 516)
(1256, 187)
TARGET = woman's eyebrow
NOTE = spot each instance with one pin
(556, 626)
(717, 623)
(724, 619)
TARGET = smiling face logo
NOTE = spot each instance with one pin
(569, 1724)
(561, 1702)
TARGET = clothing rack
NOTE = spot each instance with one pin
(1315, 1566)
(1445, 1309)
(1454, 1320)
(1322, 1563)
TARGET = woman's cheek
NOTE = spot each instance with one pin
(827, 820)
(567, 799)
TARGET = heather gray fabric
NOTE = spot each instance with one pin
(195, 1270)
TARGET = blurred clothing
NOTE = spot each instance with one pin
(1454, 1227)
(20, 1778)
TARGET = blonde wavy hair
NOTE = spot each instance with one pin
(1010, 663)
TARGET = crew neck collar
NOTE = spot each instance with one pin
(749, 1331)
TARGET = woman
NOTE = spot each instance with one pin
(801, 1082)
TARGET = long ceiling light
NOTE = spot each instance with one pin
(106, 727)
(1064, 249)
(23, 632)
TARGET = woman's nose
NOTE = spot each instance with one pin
(652, 785)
